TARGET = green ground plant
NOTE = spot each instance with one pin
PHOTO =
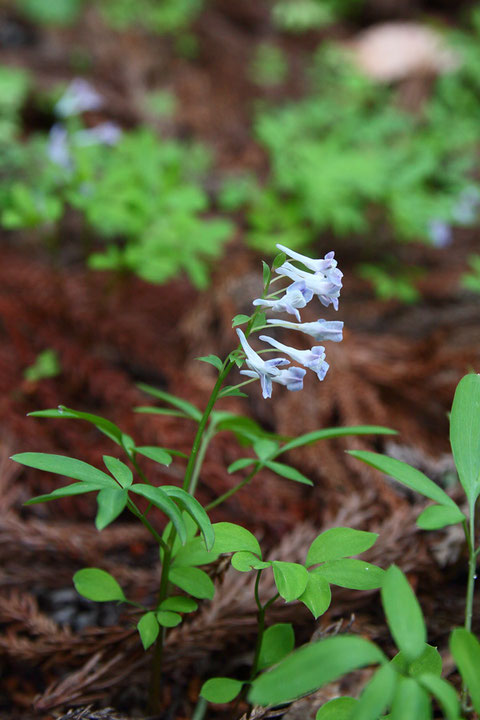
(143, 197)
(346, 159)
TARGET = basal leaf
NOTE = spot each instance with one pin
(410, 701)
(465, 649)
(338, 543)
(465, 434)
(377, 694)
(111, 503)
(221, 689)
(313, 666)
(341, 708)
(290, 578)
(277, 642)
(405, 474)
(443, 692)
(98, 585)
(403, 613)
(430, 661)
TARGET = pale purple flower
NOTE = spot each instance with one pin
(106, 133)
(79, 97)
(313, 359)
(322, 266)
(320, 330)
(265, 370)
(326, 286)
(57, 148)
(292, 377)
(296, 296)
(440, 233)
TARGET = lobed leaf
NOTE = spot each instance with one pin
(443, 692)
(111, 503)
(194, 581)
(290, 578)
(232, 538)
(378, 694)
(313, 666)
(98, 585)
(179, 403)
(405, 474)
(221, 689)
(212, 360)
(338, 543)
(195, 510)
(351, 573)
(465, 649)
(403, 613)
(105, 426)
(465, 434)
(288, 472)
(436, 517)
(74, 489)
(329, 433)
(157, 454)
(67, 466)
(341, 708)
(148, 629)
(317, 595)
(119, 470)
(161, 500)
(277, 642)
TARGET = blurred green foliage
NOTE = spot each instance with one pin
(46, 365)
(298, 16)
(269, 66)
(346, 158)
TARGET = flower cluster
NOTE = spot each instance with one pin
(323, 279)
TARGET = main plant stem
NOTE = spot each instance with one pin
(192, 472)
(472, 569)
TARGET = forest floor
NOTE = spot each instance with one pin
(398, 366)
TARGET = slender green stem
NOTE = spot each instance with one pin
(187, 481)
(207, 436)
(472, 568)
(232, 491)
(134, 509)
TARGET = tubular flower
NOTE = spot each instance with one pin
(326, 285)
(320, 266)
(296, 296)
(313, 359)
(265, 370)
(320, 330)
